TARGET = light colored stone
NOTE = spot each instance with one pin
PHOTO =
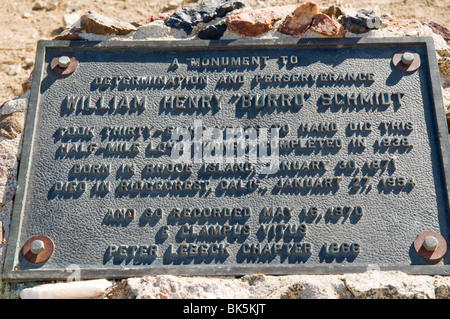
(173, 4)
(172, 287)
(69, 19)
(403, 27)
(67, 290)
(442, 287)
(389, 285)
(296, 287)
(159, 31)
(11, 125)
(444, 65)
(53, 5)
(26, 15)
(93, 22)
(14, 105)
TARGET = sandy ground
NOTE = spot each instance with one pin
(22, 24)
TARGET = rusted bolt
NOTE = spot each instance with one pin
(430, 246)
(430, 243)
(38, 249)
(407, 58)
(64, 62)
(37, 246)
(406, 61)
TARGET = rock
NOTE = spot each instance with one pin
(38, 5)
(444, 65)
(254, 22)
(297, 22)
(14, 70)
(188, 17)
(247, 287)
(363, 21)
(53, 5)
(213, 32)
(323, 24)
(70, 19)
(26, 15)
(389, 285)
(157, 16)
(403, 27)
(67, 290)
(95, 23)
(8, 185)
(173, 4)
(12, 124)
(317, 287)
(441, 30)
(28, 63)
(332, 11)
(8, 174)
(172, 287)
(157, 30)
(27, 84)
(68, 34)
(442, 287)
(14, 105)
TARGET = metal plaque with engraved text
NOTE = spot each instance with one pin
(232, 157)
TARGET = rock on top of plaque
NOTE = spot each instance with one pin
(188, 17)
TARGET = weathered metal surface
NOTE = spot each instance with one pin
(362, 166)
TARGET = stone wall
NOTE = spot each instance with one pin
(227, 19)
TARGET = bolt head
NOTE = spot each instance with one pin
(430, 243)
(407, 58)
(64, 62)
(37, 246)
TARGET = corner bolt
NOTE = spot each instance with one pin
(407, 58)
(37, 246)
(64, 62)
(430, 243)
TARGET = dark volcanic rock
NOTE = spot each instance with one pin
(213, 32)
(362, 22)
(188, 17)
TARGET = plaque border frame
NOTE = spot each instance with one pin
(13, 249)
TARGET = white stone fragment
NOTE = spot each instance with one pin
(157, 30)
(172, 287)
(69, 19)
(67, 290)
(390, 285)
(14, 105)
